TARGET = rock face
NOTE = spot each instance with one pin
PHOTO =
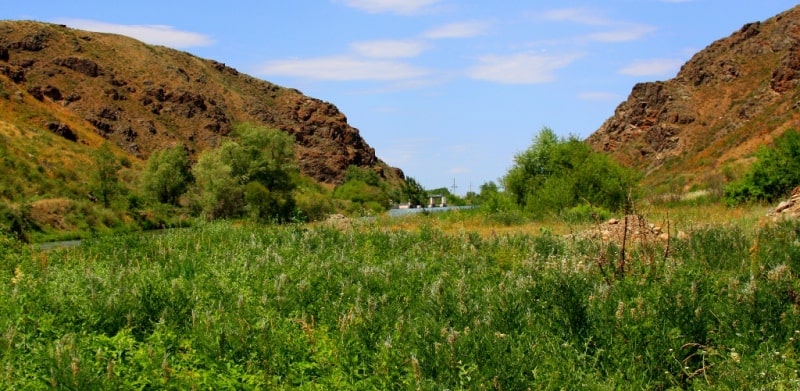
(789, 208)
(144, 98)
(737, 94)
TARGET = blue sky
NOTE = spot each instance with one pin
(447, 90)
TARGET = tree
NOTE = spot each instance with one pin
(107, 166)
(415, 193)
(167, 175)
(554, 173)
(255, 174)
(774, 174)
(364, 190)
(217, 193)
(532, 166)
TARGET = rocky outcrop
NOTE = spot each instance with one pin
(145, 97)
(789, 208)
(735, 95)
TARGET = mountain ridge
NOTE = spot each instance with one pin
(143, 97)
(701, 128)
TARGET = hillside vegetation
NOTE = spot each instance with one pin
(64, 93)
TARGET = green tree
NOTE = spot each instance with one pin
(254, 173)
(363, 189)
(167, 175)
(106, 178)
(414, 192)
(774, 174)
(217, 193)
(555, 173)
(532, 166)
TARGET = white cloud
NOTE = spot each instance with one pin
(653, 67)
(389, 48)
(585, 16)
(619, 31)
(458, 30)
(394, 6)
(342, 68)
(152, 34)
(627, 34)
(522, 68)
(598, 95)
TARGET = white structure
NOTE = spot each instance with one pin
(436, 197)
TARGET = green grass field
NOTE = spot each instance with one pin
(376, 307)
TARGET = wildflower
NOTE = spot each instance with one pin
(735, 357)
(620, 310)
(780, 273)
(17, 275)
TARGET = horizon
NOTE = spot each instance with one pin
(446, 91)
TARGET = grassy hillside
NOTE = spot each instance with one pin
(66, 92)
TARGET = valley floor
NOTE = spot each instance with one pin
(406, 304)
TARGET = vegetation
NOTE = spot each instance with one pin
(253, 174)
(363, 191)
(221, 306)
(554, 174)
(775, 173)
(106, 183)
(167, 175)
(414, 192)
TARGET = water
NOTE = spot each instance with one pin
(403, 212)
(53, 245)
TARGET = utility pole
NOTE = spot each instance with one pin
(454, 187)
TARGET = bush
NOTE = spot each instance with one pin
(364, 189)
(553, 174)
(772, 176)
(313, 204)
(585, 213)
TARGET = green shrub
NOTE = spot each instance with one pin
(364, 190)
(773, 175)
(584, 213)
(553, 174)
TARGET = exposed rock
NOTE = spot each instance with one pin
(15, 74)
(52, 93)
(62, 130)
(48, 91)
(82, 65)
(789, 208)
(36, 92)
(32, 43)
(630, 230)
(785, 78)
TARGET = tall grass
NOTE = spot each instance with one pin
(220, 306)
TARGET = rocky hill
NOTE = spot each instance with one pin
(702, 127)
(84, 87)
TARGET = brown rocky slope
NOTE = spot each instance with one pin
(702, 127)
(80, 85)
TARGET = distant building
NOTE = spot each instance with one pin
(442, 201)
